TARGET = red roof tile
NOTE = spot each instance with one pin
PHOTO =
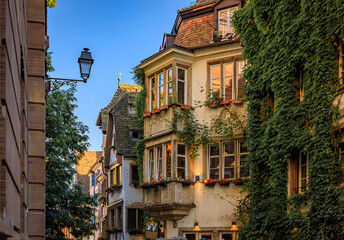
(196, 32)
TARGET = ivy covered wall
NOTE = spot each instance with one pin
(291, 45)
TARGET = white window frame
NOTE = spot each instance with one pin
(163, 89)
(228, 12)
(150, 172)
(151, 90)
(185, 84)
(224, 80)
(300, 172)
(237, 76)
(186, 160)
(159, 164)
(208, 159)
(228, 155)
(168, 86)
(211, 78)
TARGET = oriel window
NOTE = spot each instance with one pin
(152, 94)
(181, 85)
(169, 85)
(161, 90)
(181, 161)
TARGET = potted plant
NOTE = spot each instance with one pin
(136, 183)
(113, 147)
(145, 185)
(108, 190)
(147, 114)
(102, 199)
(225, 102)
(186, 182)
(224, 182)
(213, 99)
(101, 160)
(209, 182)
(116, 187)
(239, 181)
(162, 182)
(154, 184)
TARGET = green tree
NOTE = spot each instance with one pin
(67, 206)
(52, 3)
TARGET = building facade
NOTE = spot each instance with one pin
(123, 217)
(22, 118)
(198, 69)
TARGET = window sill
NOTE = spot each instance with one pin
(156, 111)
(147, 114)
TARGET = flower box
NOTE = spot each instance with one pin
(224, 182)
(116, 187)
(235, 101)
(165, 107)
(145, 185)
(186, 182)
(147, 114)
(185, 107)
(154, 184)
(209, 182)
(239, 181)
(213, 105)
(162, 183)
(225, 102)
(155, 111)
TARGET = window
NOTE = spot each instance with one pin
(190, 236)
(135, 135)
(181, 85)
(216, 80)
(93, 182)
(244, 170)
(225, 84)
(341, 152)
(161, 90)
(152, 94)
(226, 236)
(159, 161)
(225, 23)
(206, 236)
(116, 175)
(117, 217)
(151, 163)
(201, 235)
(303, 170)
(134, 175)
(135, 219)
(168, 156)
(170, 88)
(228, 160)
(181, 161)
(132, 109)
(214, 161)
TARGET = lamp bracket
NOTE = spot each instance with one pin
(59, 82)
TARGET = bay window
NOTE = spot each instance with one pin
(151, 164)
(168, 157)
(159, 162)
(225, 24)
(224, 83)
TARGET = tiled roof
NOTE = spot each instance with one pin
(196, 32)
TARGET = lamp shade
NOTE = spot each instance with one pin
(196, 228)
(234, 227)
(85, 62)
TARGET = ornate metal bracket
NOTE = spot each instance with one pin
(56, 83)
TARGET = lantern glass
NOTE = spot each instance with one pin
(85, 63)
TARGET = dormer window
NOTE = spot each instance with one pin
(132, 109)
(225, 23)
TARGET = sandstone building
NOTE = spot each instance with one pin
(22, 118)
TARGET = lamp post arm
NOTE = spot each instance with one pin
(55, 83)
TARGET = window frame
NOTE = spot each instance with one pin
(161, 95)
(212, 79)
(136, 217)
(228, 155)
(229, 13)
(185, 84)
(239, 158)
(232, 233)
(151, 163)
(300, 186)
(186, 164)
(215, 156)
(168, 86)
(152, 93)
(159, 161)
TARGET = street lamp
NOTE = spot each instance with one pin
(234, 228)
(85, 63)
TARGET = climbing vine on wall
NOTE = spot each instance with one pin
(139, 78)
(292, 45)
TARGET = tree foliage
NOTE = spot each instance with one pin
(283, 38)
(67, 206)
(52, 3)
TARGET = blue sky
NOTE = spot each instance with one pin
(119, 33)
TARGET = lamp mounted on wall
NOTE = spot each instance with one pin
(197, 178)
(85, 64)
(234, 228)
